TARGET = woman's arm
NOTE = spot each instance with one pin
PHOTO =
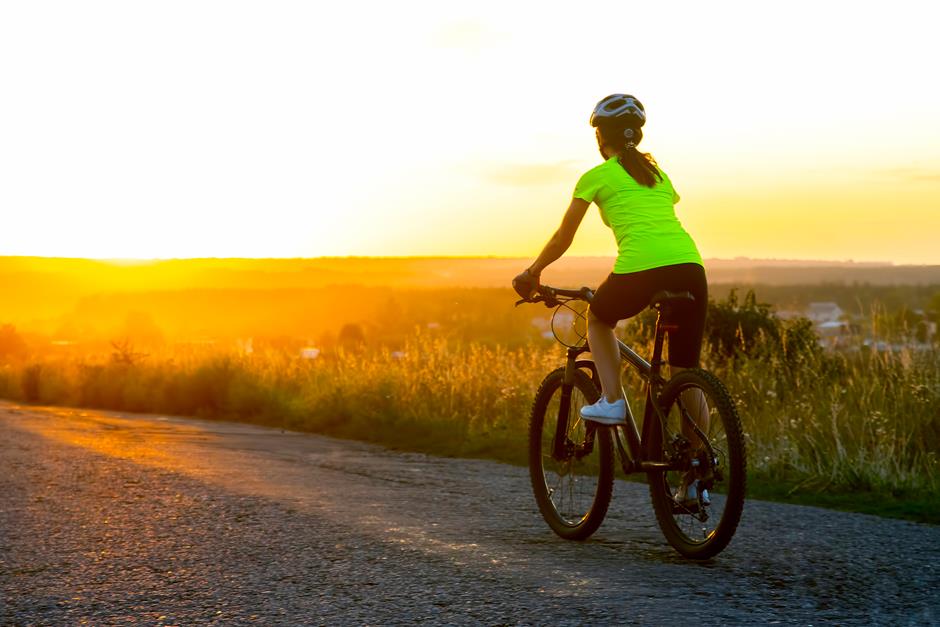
(562, 238)
(528, 282)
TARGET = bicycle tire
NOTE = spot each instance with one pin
(587, 481)
(682, 525)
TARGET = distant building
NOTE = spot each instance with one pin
(824, 312)
(309, 352)
(788, 314)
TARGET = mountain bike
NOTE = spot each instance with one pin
(571, 460)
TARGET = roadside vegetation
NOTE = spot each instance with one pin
(854, 429)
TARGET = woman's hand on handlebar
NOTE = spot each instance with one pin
(526, 284)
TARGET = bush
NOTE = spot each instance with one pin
(30, 382)
(12, 345)
(739, 328)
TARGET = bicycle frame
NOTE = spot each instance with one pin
(640, 452)
(634, 457)
(681, 464)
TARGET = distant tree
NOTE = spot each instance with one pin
(12, 344)
(31, 382)
(735, 327)
(351, 337)
(124, 353)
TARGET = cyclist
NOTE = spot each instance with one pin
(636, 200)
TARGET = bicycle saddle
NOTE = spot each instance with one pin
(664, 297)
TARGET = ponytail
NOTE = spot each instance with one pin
(640, 165)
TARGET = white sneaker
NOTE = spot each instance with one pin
(606, 413)
(688, 496)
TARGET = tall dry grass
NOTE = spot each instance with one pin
(863, 421)
(858, 421)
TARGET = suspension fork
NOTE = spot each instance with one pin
(560, 442)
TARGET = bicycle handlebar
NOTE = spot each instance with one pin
(551, 295)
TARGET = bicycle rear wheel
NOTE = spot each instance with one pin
(572, 469)
(702, 526)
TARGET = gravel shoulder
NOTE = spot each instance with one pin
(110, 518)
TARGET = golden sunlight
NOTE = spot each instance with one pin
(459, 131)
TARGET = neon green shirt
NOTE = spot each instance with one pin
(643, 219)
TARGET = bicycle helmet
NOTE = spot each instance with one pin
(620, 108)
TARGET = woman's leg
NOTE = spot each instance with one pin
(603, 344)
(694, 401)
(685, 343)
(696, 404)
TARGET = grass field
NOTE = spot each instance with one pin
(858, 431)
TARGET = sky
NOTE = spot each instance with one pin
(799, 130)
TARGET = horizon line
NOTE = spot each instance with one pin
(133, 260)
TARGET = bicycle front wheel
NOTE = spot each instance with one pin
(571, 461)
(698, 505)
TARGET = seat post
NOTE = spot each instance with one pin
(659, 339)
(662, 303)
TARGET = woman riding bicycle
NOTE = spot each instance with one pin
(636, 200)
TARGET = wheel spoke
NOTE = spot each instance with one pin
(694, 526)
(576, 489)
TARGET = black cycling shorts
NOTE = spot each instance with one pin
(625, 295)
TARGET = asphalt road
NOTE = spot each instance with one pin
(113, 518)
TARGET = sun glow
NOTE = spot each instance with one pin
(250, 129)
